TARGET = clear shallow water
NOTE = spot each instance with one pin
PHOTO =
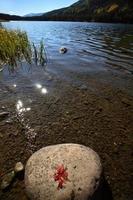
(91, 46)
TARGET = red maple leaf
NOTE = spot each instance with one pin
(61, 175)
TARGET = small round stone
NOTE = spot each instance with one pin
(19, 167)
(7, 180)
(62, 172)
(63, 50)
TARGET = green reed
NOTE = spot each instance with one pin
(15, 48)
(40, 56)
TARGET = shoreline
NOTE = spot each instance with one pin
(99, 22)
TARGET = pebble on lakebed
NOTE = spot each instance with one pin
(62, 172)
(3, 114)
(19, 167)
(7, 179)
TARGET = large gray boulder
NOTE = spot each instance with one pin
(63, 172)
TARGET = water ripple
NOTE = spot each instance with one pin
(112, 43)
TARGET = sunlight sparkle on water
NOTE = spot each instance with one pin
(28, 109)
(20, 107)
(39, 86)
(43, 89)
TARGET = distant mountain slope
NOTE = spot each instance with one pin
(33, 14)
(88, 10)
(95, 10)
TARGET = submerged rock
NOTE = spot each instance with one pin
(126, 101)
(9, 121)
(63, 50)
(7, 180)
(19, 167)
(62, 172)
(83, 87)
(1, 135)
(3, 115)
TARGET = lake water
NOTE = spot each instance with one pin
(97, 50)
(91, 46)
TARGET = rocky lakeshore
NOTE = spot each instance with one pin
(61, 112)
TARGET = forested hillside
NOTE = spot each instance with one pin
(95, 10)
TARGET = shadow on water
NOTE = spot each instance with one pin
(103, 192)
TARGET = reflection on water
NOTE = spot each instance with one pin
(39, 86)
(21, 110)
(14, 85)
(42, 89)
(29, 132)
(20, 107)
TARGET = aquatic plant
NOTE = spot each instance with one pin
(15, 48)
(1, 25)
(40, 56)
(35, 54)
